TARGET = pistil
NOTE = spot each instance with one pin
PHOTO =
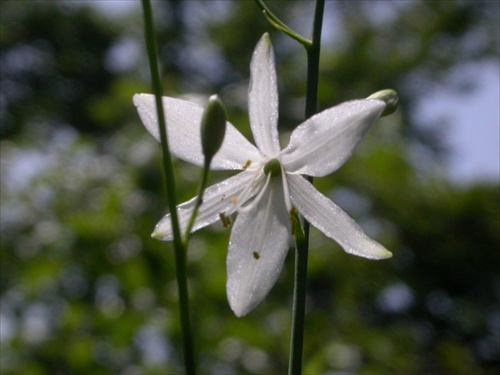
(272, 167)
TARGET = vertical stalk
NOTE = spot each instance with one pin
(302, 242)
(198, 202)
(313, 60)
(179, 248)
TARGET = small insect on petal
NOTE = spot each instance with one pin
(226, 221)
(256, 255)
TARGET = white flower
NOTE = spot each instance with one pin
(271, 180)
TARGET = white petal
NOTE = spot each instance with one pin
(263, 98)
(183, 124)
(324, 142)
(216, 201)
(332, 220)
(257, 250)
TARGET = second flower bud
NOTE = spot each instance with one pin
(213, 127)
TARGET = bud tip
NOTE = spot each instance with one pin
(391, 99)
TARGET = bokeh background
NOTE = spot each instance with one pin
(85, 290)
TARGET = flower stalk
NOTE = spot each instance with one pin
(213, 129)
(278, 24)
(302, 238)
(313, 48)
(179, 247)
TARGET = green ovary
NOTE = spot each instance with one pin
(273, 166)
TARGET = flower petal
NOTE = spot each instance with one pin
(257, 251)
(216, 202)
(263, 98)
(332, 220)
(324, 142)
(183, 124)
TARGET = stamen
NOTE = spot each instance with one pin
(257, 199)
(247, 164)
(238, 200)
(286, 192)
(226, 221)
(271, 168)
(293, 220)
(262, 224)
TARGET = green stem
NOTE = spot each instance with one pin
(198, 202)
(299, 297)
(278, 24)
(179, 248)
(313, 61)
(302, 242)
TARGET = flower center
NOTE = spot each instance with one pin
(273, 167)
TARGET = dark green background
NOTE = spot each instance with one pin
(85, 290)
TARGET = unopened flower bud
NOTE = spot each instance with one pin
(390, 97)
(213, 127)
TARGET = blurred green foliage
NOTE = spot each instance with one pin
(85, 290)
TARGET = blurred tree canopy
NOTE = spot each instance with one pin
(85, 290)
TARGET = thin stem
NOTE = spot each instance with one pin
(302, 242)
(179, 248)
(278, 24)
(313, 61)
(299, 296)
(198, 202)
